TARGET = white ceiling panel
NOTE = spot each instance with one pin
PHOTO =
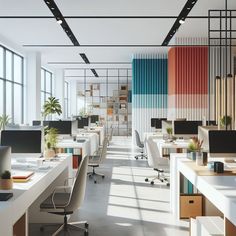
(33, 31)
(121, 7)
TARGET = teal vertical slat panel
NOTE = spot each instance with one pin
(150, 78)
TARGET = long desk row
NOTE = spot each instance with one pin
(219, 190)
(23, 207)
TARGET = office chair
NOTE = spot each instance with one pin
(96, 160)
(109, 136)
(155, 161)
(67, 201)
(140, 145)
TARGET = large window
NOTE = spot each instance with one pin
(46, 85)
(66, 99)
(11, 85)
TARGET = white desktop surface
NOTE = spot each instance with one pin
(220, 190)
(153, 135)
(178, 144)
(24, 194)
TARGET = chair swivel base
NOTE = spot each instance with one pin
(142, 156)
(159, 177)
(93, 175)
(67, 227)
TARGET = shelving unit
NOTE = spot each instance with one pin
(110, 98)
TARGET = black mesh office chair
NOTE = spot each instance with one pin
(65, 202)
(140, 144)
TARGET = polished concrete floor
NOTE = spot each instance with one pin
(123, 203)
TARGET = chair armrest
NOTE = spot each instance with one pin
(55, 190)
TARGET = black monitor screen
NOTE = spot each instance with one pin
(82, 121)
(94, 118)
(22, 141)
(157, 122)
(36, 122)
(186, 127)
(63, 127)
(222, 141)
(211, 122)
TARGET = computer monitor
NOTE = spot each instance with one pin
(5, 158)
(186, 128)
(36, 122)
(22, 141)
(222, 143)
(157, 122)
(63, 127)
(94, 118)
(82, 122)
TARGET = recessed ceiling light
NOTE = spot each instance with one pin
(59, 21)
(181, 21)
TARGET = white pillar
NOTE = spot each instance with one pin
(33, 89)
(59, 88)
(73, 97)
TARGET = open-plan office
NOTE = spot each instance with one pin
(118, 117)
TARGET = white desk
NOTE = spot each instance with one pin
(178, 144)
(153, 135)
(100, 130)
(69, 143)
(24, 194)
(93, 140)
(219, 190)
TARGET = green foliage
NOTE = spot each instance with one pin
(169, 130)
(51, 137)
(195, 144)
(4, 120)
(225, 120)
(6, 175)
(52, 106)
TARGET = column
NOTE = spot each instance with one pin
(33, 86)
(73, 97)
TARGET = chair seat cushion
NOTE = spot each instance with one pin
(60, 200)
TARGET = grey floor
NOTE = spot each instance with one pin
(123, 203)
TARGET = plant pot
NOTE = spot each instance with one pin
(199, 158)
(49, 153)
(6, 184)
(192, 156)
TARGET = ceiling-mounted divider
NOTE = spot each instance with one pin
(149, 90)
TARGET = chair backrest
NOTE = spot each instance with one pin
(111, 133)
(103, 153)
(78, 188)
(138, 141)
(153, 154)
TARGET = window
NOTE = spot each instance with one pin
(11, 85)
(66, 99)
(46, 85)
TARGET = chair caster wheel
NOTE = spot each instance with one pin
(95, 181)
(168, 184)
(152, 182)
(146, 180)
(41, 229)
(90, 176)
(103, 176)
(136, 158)
(162, 180)
(86, 225)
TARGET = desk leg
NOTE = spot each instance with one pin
(230, 229)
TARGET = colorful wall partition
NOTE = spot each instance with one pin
(149, 90)
(188, 83)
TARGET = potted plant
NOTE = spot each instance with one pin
(169, 131)
(6, 181)
(51, 106)
(226, 121)
(194, 148)
(51, 139)
(4, 120)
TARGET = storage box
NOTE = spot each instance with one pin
(191, 205)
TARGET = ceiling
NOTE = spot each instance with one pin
(94, 32)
